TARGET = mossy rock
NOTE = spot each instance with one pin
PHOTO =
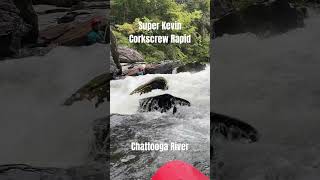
(156, 83)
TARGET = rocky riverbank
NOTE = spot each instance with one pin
(34, 28)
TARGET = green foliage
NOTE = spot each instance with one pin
(193, 14)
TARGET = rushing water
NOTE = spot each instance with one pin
(273, 84)
(189, 125)
(35, 128)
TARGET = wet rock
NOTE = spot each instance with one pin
(155, 83)
(165, 67)
(232, 129)
(97, 89)
(162, 103)
(18, 26)
(191, 67)
(128, 55)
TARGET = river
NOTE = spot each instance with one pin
(273, 84)
(189, 125)
(35, 128)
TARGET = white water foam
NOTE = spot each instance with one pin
(194, 87)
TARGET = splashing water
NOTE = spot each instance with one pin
(189, 125)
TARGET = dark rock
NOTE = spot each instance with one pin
(54, 32)
(91, 5)
(70, 34)
(260, 18)
(232, 129)
(220, 8)
(229, 24)
(98, 89)
(128, 55)
(155, 83)
(191, 67)
(71, 16)
(18, 26)
(166, 67)
(61, 3)
(162, 103)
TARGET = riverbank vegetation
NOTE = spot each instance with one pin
(193, 14)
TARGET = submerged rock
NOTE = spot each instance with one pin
(155, 83)
(162, 103)
(98, 89)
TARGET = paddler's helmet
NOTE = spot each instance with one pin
(95, 22)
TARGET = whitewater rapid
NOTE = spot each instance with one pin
(189, 125)
(194, 87)
(35, 128)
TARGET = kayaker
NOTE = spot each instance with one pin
(95, 35)
(140, 71)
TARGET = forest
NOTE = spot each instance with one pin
(194, 15)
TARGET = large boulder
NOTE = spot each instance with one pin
(165, 67)
(128, 55)
(162, 103)
(18, 26)
(155, 83)
(72, 33)
(61, 3)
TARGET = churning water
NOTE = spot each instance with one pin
(35, 128)
(189, 125)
